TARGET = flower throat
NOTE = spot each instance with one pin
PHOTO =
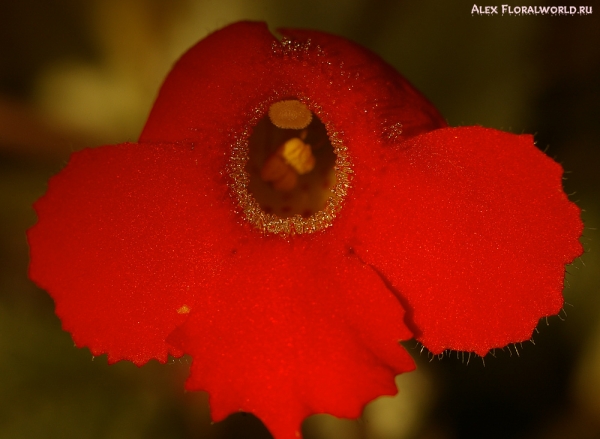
(295, 173)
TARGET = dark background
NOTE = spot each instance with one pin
(76, 74)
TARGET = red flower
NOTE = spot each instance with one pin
(286, 272)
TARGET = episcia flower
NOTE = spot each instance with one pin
(292, 210)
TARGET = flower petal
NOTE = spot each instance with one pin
(134, 241)
(213, 86)
(294, 328)
(224, 79)
(472, 229)
(124, 235)
(399, 109)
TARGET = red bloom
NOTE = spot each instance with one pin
(208, 237)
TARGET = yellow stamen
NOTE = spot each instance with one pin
(291, 159)
(298, 155)
(291, 114)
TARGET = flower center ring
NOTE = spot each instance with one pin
(289, 170)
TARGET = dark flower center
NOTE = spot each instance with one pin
(294, 175)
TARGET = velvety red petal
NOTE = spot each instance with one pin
(472, 229)
(294, 328)
(125, 233)
(232, 73)
(388, 97)
(131, 238)
(211, 89)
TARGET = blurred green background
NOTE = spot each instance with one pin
(76, 74)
